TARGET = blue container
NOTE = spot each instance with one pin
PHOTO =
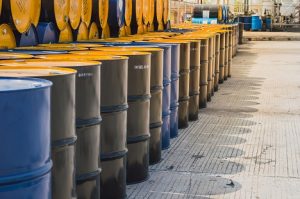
(174, 92)
(47, 33)
(29, 38)
(174, 122)
(256, 23)
(25, 138)
(165, 131)
(204, 20)
(175, 51)
(166, 99)
(247, 22)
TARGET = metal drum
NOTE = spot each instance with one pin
(86, 11)
(230, 52)
(217, 62)
(222, 57)
(114, 81)
(226, 55)
(25, 146)
(82, 33)
(194, 80)
(87, 120)
(210, 68)
(75, 13)
(204, 73)
(47, 33)
(63, 136)
(29, 38)
(66, 35)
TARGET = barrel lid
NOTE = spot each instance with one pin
(159, 10)
(20, 84)
(7, 37)
(9, 55)
(33, 71)
(83, 32)
(66, 35)
(89, 57)
(116, 52)
(166, 11)
(146, 11)
(128, 12)
(22, 12)
(138, 11)
(103, 12)
(75, 13)
(61, 11)
(49, 63)
(126, 48)
(94, 31)
(35, 15)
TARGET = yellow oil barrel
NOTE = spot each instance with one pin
(105, 32)
(146, 11)
(75, 13)
(0, 6)
(159, 8)
(103, 9)
(66, 35)
(166, 11)
(13, 56)
(82, 32)
(7, 37)
(35, 16)
(128, 12)
(151, 11)
(86, 11)
(128, 30)
(137, 11)
(93, 31)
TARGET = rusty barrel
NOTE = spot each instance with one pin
(204, 73)
(226, 55)
(222, 57)
(194, 84)
(217, 62)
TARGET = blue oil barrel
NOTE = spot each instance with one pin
(247, 22)
(256, 22)
(29, 38)
(165, 131)
(47, 33)
(116, 17)
(174, 122)
(25, 145)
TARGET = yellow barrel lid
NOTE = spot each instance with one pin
(75, 13)
(93, 31)
(128, 48)
(128, 12)
(151, 11)
(86, 11)
(166, 11)
(103, 12)
(35, 15)
(146, 11)
(9, 55)
(83, 32)
(89, 57)
(29, 71)
(48, 63)
(138, 11)
(159, 11)
(61, 11)
(7, 37)
(121, 53)
(66, 35)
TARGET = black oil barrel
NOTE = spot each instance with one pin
(210, 69)
(206, 11)
(47, 33)
(194, 79)
(29, 38)
(226, 55)
(184, 83)
(217, 62)
(204, 72)
(222, 57)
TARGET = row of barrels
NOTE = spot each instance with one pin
(71, 20)
(115, 104)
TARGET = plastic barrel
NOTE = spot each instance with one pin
(47, 33)
(75, 13)
(86, 11)
(94, 31)
(114, 81)
(26, 169)
(63, 135)
(7, 37)
(56, 10)
(116, 18)
(255, 22)
(29, 38)
(217, 62)
(194, 84)
(66, 35)
(21, 13)
(247, 22)
(82, 33)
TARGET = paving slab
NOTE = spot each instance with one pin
(246, 143)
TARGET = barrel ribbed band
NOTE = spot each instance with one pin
(203, 83)
(221, 65)
(155, 125)
(116, 108)
(183, 99)
(193, 68)
(134, 98)
(88, 176)
(184, 71)
(166, 82)
(137, 139)
(156, 88)
(64, 142)
(204, 62)
(81, 123)
(194, 93)
(113, 155)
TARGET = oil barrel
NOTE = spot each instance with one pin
(137, 16)
(87, 120)
(217, 62)
(230, 52)
(86, 11)
(210, 69)
(29, 38)
(203, 73)
(222, 57)
(66, 35)
(226, 55)
(82, 33)
(20, 13)
(75, 13)
(116, 18)
(194, 79)
(128, 12)
(47, 33)
(151, 12)
(114, 81)
(94, 32)
(100, 12)
(158, 15)
(63, 136)
(26, 170)
(56, 10)
(166, 5)
(13, 56)
(156, 87)
(7, 37)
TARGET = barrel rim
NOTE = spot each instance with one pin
(142, 49)
(73, 56)
(63, 71)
